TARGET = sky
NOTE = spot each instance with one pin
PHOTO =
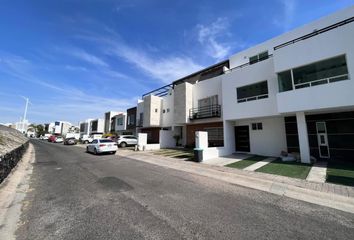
(78, 59)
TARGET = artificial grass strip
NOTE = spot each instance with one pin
(288, 169)
(246, 162)
(340, 172)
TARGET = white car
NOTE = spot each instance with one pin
(102, 145)
(126, 140)
(59, 139)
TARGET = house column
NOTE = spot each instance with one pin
(303, 137)
(229, 137)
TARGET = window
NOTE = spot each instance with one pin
(252, 92)
(259, 57)
(155, 110)
(327, 71)
(285, 81)
(215, 134)
(322, 72)
(119, 121)
(209, 101)
(257, 126)
(131, 119)
(163, 111)
(168, 110)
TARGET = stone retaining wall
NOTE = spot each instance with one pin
(10, 160)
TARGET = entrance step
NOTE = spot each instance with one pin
(318, 172)
(259, 164)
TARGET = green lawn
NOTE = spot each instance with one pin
(340, 172)
(176, 153)
(246, 162)
(288, 169)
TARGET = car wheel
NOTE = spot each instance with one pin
(87, 149)
(86, 142)
(123, 144)
(95, 151)
(114, 152)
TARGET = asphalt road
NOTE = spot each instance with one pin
(75, 195)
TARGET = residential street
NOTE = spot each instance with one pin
(76, 195)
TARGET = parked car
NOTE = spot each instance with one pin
(43, 137)
(52, 138)
(59, 139)
(102, 145)
(127, 140)
(86, 139)
(70, 141)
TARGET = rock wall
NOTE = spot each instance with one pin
(12, 147)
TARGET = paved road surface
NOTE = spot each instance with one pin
(75, 195)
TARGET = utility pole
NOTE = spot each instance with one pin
(25, 113)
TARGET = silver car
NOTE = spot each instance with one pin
(127, 140)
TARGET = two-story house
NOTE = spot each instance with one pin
(294, 92)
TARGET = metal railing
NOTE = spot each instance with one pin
(247, 99)
(316, 32)
(249, 63)
(205, 112)
(322, 81)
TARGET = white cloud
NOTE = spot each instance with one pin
(65, 101)
(208, 36)
(286, 19)
(166, 69)
(87, 57)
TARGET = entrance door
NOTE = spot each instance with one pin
(242, 138)
(322, 139)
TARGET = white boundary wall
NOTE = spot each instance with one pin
(166, 139)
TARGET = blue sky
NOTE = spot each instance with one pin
(77, 59)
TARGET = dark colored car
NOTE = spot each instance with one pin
(70, 141)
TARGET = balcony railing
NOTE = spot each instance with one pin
(249, 63)
(322, 81)
(315, 33)
(205, 112)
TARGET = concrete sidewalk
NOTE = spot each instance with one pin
(259, 164)
(325, 194)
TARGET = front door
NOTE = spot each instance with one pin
(322, 139)
(242, 138)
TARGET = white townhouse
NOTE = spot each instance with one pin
(85, 127)
(119, 123)
(61, 127)
(108, 116)
(96, 126)
(190, 104)
(294, 92)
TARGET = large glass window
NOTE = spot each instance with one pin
(326, 71)
(285, 81)
(252, 92)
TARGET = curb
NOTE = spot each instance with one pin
(331, 200)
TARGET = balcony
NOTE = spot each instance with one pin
(210, 111)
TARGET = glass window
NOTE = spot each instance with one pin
(254, 126)
(252, 92)
(259, 57)
(285, 82)
(253, 59)
(330, 70)
(259, 126)
(263, 56)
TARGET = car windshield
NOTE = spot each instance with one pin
(106, 141)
